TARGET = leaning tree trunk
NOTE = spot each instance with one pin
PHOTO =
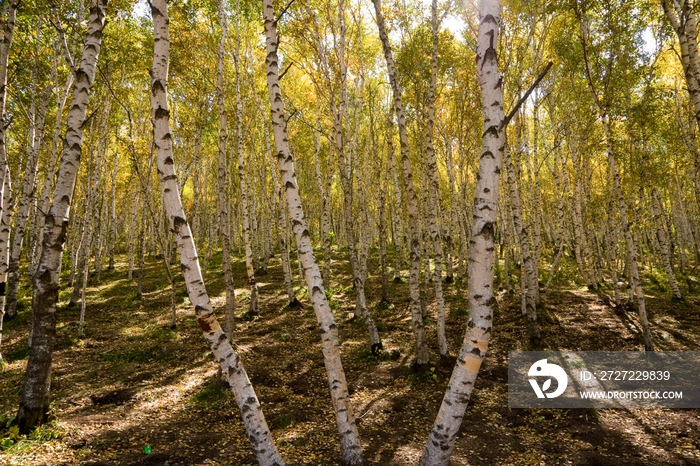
(350, 449)
(631, 247)
(34, 402)
(441, 440)
(231, 366)
(44, 197)
(349, 220)
(283, 226)
(345, 149)
(281, 214)
(411, 197)
(222, 180)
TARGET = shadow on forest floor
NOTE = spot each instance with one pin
(131, 381)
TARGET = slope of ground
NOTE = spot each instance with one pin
(131, 381)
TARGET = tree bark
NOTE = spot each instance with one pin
(482, 302)
(434, 189)
(247, 211)
(414, 221)
(9, 14)
(26, 201)
(528, 271)
(34, 402)
(683, 19)
(559, 224)
(350, 449)
(222, 181)
(232, 368)
(5, 226)
(664, 246)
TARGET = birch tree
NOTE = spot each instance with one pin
(34, 401)
(603, 105)
(231, 365)
(482, 302)
(433, 186)
(9, 14)
(5, 227)
(664, 244)
(222, 179)
(350, 448)
(246, 209)
(411, 196)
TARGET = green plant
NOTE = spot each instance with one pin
(422, 376)
(366, 355)
(281, 336)
(11, 436)
(212, 395)
(50, 431)
(282, 421)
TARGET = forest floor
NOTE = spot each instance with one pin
(131, 381)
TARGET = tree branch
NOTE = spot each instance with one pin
(540, 77)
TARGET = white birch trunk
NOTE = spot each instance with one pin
(528, 272)
(441, 439)
(414, 221)
(396, 218)
(536, 196)
(559, 225)
(636, 284)
(683, 19)
(112, 239)
(48, 185)
(664, 246)
(325, 203)
(434, 189)
(5, 226)
(451, 222)
(222, 181)
(611, 254)
(26, 202)
(283, 225)
(232, 368)
(247, 211)
(350, 449)
(9, 14)
(34, 402)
